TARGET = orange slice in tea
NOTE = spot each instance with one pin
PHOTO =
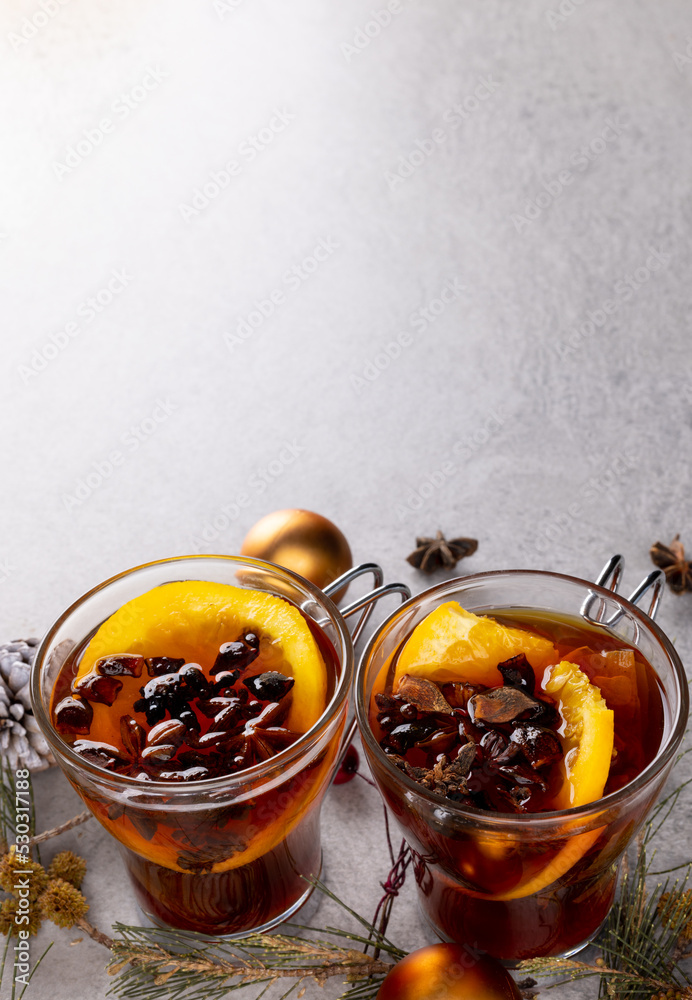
(587, 734)
(191, 619)
(452, 644)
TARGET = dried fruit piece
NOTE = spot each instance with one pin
(96, 687)
(194, 680)
(541, 747)
(517, 672)
(73, 715)
(504, 704)
(122, 665)
(408, 734)
(237, 655)
(100, 754)
(269, 686)
(422, 694)
(158, 665)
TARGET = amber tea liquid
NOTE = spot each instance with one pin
(220, 869)
(496, 892)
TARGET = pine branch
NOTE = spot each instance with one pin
(63, 828)
(147, 967)
(95, 933)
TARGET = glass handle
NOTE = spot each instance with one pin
(610, 574)
(654, 583)
(366, 604)
(368, 601)
(594, 607)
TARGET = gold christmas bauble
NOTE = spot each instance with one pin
(448, 972)
(303, 541)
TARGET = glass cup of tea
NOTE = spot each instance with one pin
(491, 873)
(216, 810)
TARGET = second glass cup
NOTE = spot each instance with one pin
(519, 886)
(229, 854)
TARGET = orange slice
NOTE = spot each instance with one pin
(452, 644)
(191, 619)
(587, 734)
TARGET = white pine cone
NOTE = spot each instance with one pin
(21, 742)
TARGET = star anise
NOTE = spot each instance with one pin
(671, 559)
(260, 739)
(435, 553)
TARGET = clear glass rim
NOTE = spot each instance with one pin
(267, 769)
(548, 818)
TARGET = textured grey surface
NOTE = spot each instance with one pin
(545, 407)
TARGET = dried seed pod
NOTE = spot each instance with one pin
(215, 739)
(189, 774)
(465, 759)
(133, 736)
(212, 706)
(422, 694)
(161, 753)
(170, 731)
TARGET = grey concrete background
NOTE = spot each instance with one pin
(531, 162)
